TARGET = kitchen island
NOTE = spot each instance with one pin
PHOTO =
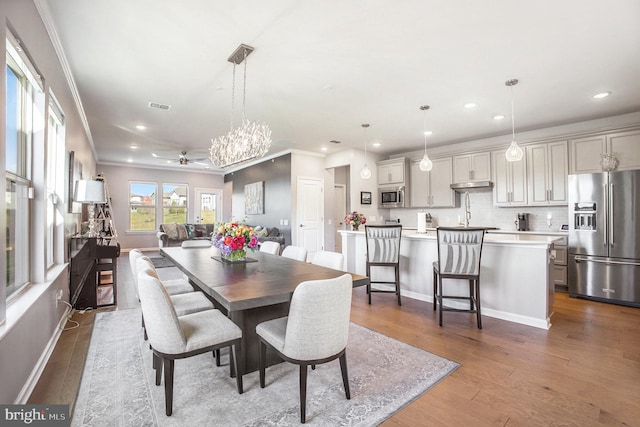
(515, 273)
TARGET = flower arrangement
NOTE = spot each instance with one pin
(355, 219)
(233, 238)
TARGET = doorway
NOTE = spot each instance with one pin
(310, 206)
(208, 206)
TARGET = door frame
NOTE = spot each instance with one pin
(197, 197)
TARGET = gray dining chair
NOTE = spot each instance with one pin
(383, 251)
(172, 337)
(174, 286)
(298, 253)
(316, 330)
(328, 259)
(270, 247)
(459, 254)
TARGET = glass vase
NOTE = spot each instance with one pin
(239, 255)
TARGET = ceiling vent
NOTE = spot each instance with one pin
(333, 141)
(160, 106)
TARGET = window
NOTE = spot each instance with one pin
(142, 206)
(174, 203)
(55, 183)
(23, 87)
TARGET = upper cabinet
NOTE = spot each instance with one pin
(392, 171)
(472, 167)
(510, 181)
(586, 153)
(548, 167)
(433, 188)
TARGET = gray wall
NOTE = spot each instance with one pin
(276, 174)
(118, 178)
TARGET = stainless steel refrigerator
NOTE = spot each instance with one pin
(604, 237)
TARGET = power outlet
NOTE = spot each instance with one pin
(58, 297)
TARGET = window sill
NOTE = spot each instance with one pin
(17, 308)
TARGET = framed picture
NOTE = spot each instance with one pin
(254, 198)
(365, 197)
(75, 173)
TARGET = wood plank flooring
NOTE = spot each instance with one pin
(584, 371)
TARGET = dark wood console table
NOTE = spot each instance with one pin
(93, 273)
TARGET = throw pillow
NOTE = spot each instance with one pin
(182, 231)
(171, 230)
(274, 232)
(198, 233)
(190, 230)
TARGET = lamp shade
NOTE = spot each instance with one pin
(89, 191)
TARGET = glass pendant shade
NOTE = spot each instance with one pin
(425, 164)
(514, 152)
(365, 172)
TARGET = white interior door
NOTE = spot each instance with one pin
(310, 207)
(339, 212)
(208, 206)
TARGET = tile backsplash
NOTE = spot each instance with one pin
(484, 213)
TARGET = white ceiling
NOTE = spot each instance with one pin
(322, 68)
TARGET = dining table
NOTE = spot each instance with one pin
(249, 292)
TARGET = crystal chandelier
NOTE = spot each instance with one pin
(250, 140)
(514, 152)
(365, 172)
(425, 164)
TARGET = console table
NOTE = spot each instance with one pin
(93, 275)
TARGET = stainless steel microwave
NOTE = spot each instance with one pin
(391, 197)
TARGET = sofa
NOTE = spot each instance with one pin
(174, 234)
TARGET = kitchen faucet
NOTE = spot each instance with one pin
(467, 209)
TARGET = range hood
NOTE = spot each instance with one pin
(461, 187)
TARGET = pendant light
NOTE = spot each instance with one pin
(425, 164)
(365, 172)
(514, 152)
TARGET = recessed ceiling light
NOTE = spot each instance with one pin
(498, 117)
(376, 144)
(133, 147)
(428, 132)
(601, 95)
(323, 148)
(470, 105)
(130, 160)
(141, 127)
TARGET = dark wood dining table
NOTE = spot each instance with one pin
(249, 293)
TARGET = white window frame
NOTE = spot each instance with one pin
(186, 202)
(55, 181)
(133, 206)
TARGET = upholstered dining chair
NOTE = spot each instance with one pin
(383, 251)
(329, 259)
(295, 252)
(174, 286)
(270, 247)
(172, 337)
(459, 253)
(316, 330)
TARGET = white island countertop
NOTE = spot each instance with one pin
(492, 236)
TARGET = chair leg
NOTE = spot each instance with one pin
(435, 292)
(369, 284)
(262, 361)
(471, 294)
(216, 355)
(157, 365)
(144, 329)
(232, 365)
(478, 316)
(168, 385)
(303, 393)
(234, 361)
(345, 375)
(397, 270)
(440, 298)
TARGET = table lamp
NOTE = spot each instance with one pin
(90, 192)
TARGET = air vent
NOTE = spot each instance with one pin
(160, 106)
(333, 141)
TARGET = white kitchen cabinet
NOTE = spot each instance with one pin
(586, 153)
(510, 181)
(548, 167)
(472, 167)
(433, 188)
(391, 172)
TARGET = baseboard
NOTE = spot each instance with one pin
(27, 389)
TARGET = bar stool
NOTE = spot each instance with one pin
(383, 250)
(459, 252)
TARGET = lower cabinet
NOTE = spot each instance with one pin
(559, 272)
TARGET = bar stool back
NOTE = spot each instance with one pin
(383, 250)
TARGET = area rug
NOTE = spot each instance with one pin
(118, 386)
(161, 262)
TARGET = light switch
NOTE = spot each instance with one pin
(286, 222)
(372, 218)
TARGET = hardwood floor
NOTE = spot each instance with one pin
(584, 371)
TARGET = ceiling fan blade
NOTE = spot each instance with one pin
(162, 158)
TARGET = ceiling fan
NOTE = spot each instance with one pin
(183, 159)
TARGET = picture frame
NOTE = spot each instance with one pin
(254, 198)
(75, 173)
(365, 197)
